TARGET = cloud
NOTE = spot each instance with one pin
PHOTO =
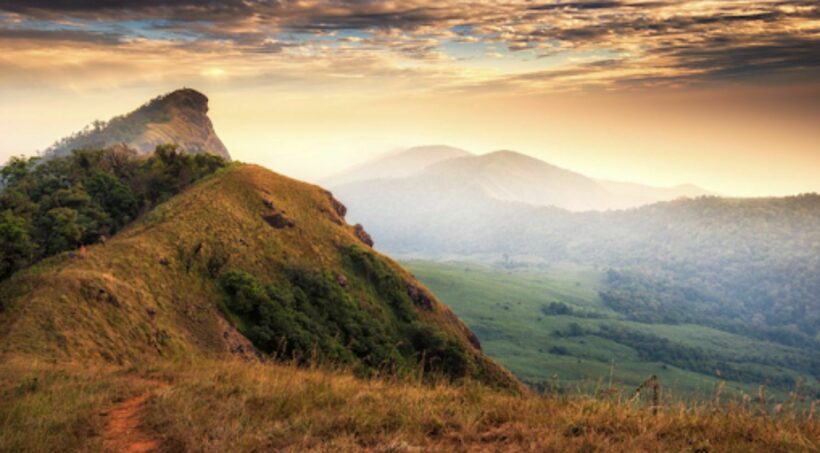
(75, 36)
(644, 42)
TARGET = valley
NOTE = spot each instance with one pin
(544, 324)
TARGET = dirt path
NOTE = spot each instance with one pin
(123, 433)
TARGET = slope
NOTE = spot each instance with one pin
(247, 244)
(179, 117)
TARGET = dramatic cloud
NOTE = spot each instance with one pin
(449, 45)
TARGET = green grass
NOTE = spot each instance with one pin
(503, 307)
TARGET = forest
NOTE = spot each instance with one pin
(48, 206)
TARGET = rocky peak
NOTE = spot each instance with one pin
(179, 117)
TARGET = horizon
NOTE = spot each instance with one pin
(305, 169)
(721, 95)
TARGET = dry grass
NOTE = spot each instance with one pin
(46, 408)
(237, 406)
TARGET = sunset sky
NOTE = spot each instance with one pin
(723, 94)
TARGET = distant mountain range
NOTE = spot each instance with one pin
(180, 117)
(501, 175)
(744, 265)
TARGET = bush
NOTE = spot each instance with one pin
(438, 353)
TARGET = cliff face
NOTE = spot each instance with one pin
(180, 117)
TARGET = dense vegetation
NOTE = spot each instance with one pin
(308, 316)
(47, 207)
(733, 367)
(644, 298)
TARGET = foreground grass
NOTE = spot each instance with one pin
(236, 406)
(45, 408)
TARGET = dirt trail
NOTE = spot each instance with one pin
(123, 433)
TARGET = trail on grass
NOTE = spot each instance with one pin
(123, 432)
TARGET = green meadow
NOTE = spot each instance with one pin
(508, 310)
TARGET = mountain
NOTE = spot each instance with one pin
(246, 262)
(502, 175)
(180, 117)
(397, 164)
(511, 176)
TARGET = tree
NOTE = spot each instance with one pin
(15, 244)
(63, 231)
(15, 169)
(68, 201)
(114, 197)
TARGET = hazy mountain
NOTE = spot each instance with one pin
(762, 255)
(633, 194)
(396, 164)
(180, 117)
(511, 176)
(502, 175)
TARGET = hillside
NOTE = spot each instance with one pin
(757, 253)
(500, 176)
(179, 117)
(245, 250)
(515, 177)
(641, 194)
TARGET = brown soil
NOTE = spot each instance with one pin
(124, 433)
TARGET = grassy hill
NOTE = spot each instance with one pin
(271, 255)
(546, 326)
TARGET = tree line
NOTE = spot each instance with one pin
(54, 205)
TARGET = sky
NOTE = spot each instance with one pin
(724, 94)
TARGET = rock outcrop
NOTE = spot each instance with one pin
(180, 118)
(358, 229)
